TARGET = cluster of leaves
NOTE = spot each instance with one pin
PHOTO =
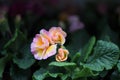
(15, 58)
(94, 61)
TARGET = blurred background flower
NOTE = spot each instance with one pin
(75, 23)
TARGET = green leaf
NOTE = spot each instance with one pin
(62, 64)
(85, 52)
(118, 65)
(85, 72)
(58, 70)
(12, 39)
(64, 77)
(19, 74)
(3, 62)
(42, 73)
(105, 55)
(16, 42)
(24, 59)
(76, 57)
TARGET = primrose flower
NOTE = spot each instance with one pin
(58, 35)
(41, 49)
(44, 45)
(62, 55)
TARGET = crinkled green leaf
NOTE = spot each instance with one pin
(85, 52)
(60, 71)
(24, 59)
(62, 64)
(105, 55)
(42, 73)
(85, 72)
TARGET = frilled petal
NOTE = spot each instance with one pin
(39, 42)
(50, 51)
(38, 54)
(57, 29)
(59, 38)
(47, 35)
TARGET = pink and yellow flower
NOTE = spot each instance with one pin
(58, 35)
(62, 55)
(41, 49)
(44, 45)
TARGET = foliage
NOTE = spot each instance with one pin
(93, 56)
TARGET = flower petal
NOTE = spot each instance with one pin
(40, 42)
(47, 35)
(58, 29)
(39, 54)
(50, 51)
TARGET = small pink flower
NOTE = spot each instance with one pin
(58, 35)
(41, 49)
(62, 55)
